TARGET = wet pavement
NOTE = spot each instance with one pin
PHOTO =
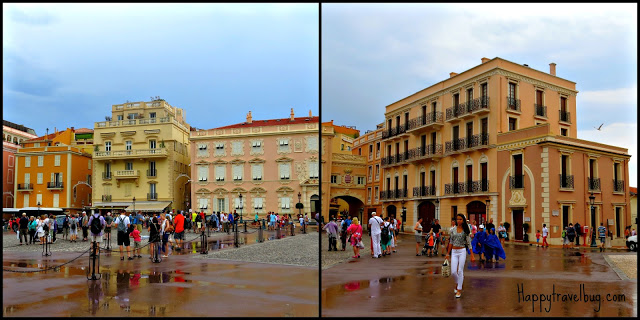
(178, 286)
(403, 285)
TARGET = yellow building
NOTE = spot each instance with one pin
(142, 152)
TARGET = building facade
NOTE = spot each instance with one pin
(13, 135)
(369, 146)
(141, 152)
(52, 173)
(440, 145)
(257, 166)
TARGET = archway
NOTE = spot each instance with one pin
(345, 205)
(477, 210)
(314, 204)
(427, 211)
(391, 211)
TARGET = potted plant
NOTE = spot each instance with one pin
(525, 227)
(506, 226)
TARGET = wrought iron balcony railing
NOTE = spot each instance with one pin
(566, 181)
(152, 196)
(618, 185)
(454, 188)
(106, 175)
(594, 184)
(424, 191)
(513, 104)
(25, 186)
(426, 120)
(516, 182)
(565, 116)
(455, 145)
(541, 110)
(106, 198)
(55, 185)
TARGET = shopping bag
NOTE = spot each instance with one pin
(446, 268)
(360, 244)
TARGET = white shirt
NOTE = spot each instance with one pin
(301, 219)
(375, 223)
(545, 231)
(123, 219)
(39, 226)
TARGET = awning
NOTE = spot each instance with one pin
(111, 204)
(152, 206)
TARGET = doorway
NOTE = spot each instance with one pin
(477, 210)
(517, 224)
(427, 211)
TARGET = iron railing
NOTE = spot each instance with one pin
(541, 110)
(516, 182)
(454, 188)
(106, 175)
(152, 196)
(106, 198)
(55, 185)
(424, 191)
(565, 116)
(618, 185)
(513, 104)
(594, 184)
(25, 186)
(428, 119)
(152, 173)
(566, 181)
(455, 145)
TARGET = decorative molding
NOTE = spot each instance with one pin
(297, 145)
(258, 152)
(236, 131)
(520, 144)
(283, 128)
(241, 153)
(517, 198)
(256, 129)
(312, 126)
(203, 191)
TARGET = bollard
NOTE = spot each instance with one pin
(263, 223)
(46, 251)
(156, 253)
(293, 233)
(226, 224)
(260, 235)
(245, 227)
(203, 243)
(304, 227)
(108, 234)
(235, 237)
(95, 255)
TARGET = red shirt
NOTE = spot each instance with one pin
(179, 223)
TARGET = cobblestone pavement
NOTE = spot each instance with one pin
(332, 258)
(626, 263)
(299, 250)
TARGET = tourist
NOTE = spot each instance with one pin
(478, 243)
(493, 248)
(489, 225)
(84, 222)
(385, 237)
(139, 220)
(374, 225)
(458, 241)
(154, 236)
(545, 234)
(135, 234)
(194, 217)
(344, 234)
(355, 232)
(473, 227)
(332, 232)
(392, 229)
(24, 227)
(225, 223)
(627, 232)
(417, 230)
(33, 224)
(578, 229)
(203, 222)
(571, 234)
(65, 227)
(108, 219)
(178, 224)
(602, 233)
(122, 225)
(272, 221)
(437, 229)
(430, 241)
(538, 238)
(40, 229)
(96, 226)
(502, 233)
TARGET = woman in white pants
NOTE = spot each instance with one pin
(458, 242)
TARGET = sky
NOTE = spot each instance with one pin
(64, 65)
(376, 54)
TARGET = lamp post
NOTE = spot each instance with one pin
(404, 216)
(488, 201)
(592, 200)
(134, 204)
(299, 201)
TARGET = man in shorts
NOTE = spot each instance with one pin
(96, 236)
(107, 229)
(178, 226)
(122, 225)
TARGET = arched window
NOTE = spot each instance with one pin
(15, 140)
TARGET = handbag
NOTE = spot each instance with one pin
(360, 244)
(446, 268)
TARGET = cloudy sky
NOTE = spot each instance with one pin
(376, 54)
(65, 64)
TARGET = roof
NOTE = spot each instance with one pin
(83, 130)
(342, 129)
(45, 137)
(271, 122)
(18, 127)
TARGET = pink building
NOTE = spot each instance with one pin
(13, 135)
(257, 166)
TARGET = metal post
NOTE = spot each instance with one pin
(46, 251)
(235, 235)
(156, 253)
(95, 255)
(203, 240)
(293, 232)
(260, 236)
(245, 226)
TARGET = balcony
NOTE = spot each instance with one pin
(25, 186)
(478, 186)
(395, 131)
(516, 182)
(565, 116)
(426, 152)
(594, 184)
(430, 120)
(152, 173)
(483, 105)
(468, 107)
(477, 141)
(424, 191)
(152, 196)
(106, 198)
(566, 182)
(455, 146)
(454, 188)
(393, 194)
(541, 111)
(126, 154)
(106, 175)
(513, 104)
(55, 185)
(454, 112)
(618, 185)
(127, 174)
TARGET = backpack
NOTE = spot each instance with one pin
(65, 224)
(385, 233)
(73, 223)
(45, 227)
(96, 225)
(121, 226)
(564, 233)
(198, 218)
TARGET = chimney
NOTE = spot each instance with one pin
(291, 114)
(552, 68)
(484, 60)
(249, 120)
(452, 74)
(310, 115)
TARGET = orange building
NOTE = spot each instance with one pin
(441, 150)
(52, 173)
(369, 146)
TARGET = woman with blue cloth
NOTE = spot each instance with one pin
(492, 247)
(478, 242)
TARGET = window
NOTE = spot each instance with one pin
(313, 170)
(202, 149)
(563, 132)
(238, 204)
(153, 195)
(285, 171)
(9, 175)
(512, 124)
(376, 193)
(152, 144)
(220, 149)
(152, 115)
(256, 171)
(128, 144)
(128, 165)
(342, 147)
(377, 150)
(89, 179)
(512, 90)
(37, 144)
(377, 172)
(39, 199)
(40, 161)
(10, 160)
(284, 145)
(40, 178)
(237, 172)
(107, 146)
(361, 180)
(286, 203)
(221, 205)
(56, 160)
(56, 200)
(334, 178)
(27, 162)
(203, 173)
(258, 203)
(89, 164)
(236, 148)
(220, 173)
(370, 175)
(27, 178)
(203, 204)
(120, 117)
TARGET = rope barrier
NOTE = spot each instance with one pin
(50, 268)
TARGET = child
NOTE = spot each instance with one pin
(538, 238)
(135, 234)
(430, 243)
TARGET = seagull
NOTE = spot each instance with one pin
(598, 128)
